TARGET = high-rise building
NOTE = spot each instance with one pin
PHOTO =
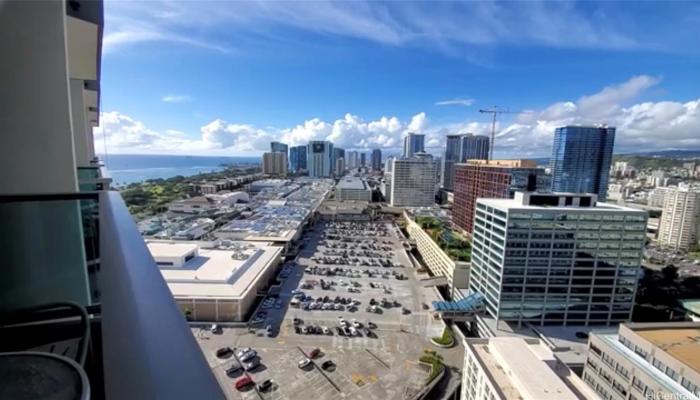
(657, 196)
(297, 158)
(278, 147)
(80, 290)
(413, 182)
(509, 368)
(274, 163)
(376, 160)
(460, 149)
(337, 153)
(645, 361)
(413, 143)
(492, 179)
(363, 159)
(319, 158)
(388, 164)
(581, 157)
(475, 147)
(339, 167)
(556, 259)
(351, 159)
(680, 220)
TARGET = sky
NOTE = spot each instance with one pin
(228, 77)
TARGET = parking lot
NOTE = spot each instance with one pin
(382, 365)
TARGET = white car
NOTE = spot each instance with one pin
(304, 362)
(242, 351)
(325, 330)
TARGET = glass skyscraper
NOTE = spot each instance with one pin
(297, 158)
(581, 158)
(413, 143)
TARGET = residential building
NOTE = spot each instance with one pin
(339, 167)
(388, 164)
(645, 361)
(657, 178)
(297, 158)
(353, 188)
(84, 307)
(376, 160)
(581, 157)
(363, 159)
(319, 157)
(278, 147)
(657, 196)
(557, 258)
(413, 143)
(492, 179)
(510, 368)
(413, 182)
(216, 283)
(274, 163)
(352, 160)
(474, 147)
(680, 220)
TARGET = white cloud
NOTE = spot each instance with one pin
(455, 102)
(176, 98)
(640, 126)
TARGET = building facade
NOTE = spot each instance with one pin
(376, 160)
(413, 182)
(475, 147)
(353, 189)
(337, 153)
(339, 167)
(492, 179)
(413, 143)
(581, 157)
(645, 361)
(363, 159)
(319, 157)
(680, 219)
(274, 163)
(557, 259)
(297, 158)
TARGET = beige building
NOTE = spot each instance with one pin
(274, 163)
(512, 368)
(680, 219)
(645, 361)
(216, 283)
(437, 261)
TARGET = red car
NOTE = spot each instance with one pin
(314, 353)
(244, 383)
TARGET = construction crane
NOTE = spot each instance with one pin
(494, 111)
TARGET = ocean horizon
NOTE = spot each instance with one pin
(130, 168)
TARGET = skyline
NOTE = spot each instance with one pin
(231, 77)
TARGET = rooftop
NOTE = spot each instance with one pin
(519, 204)
(351, 182)
(683, 343)
(511, 363)
(225, 271)
(504, 163)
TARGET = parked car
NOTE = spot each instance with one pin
(265, 386)
(304, 362)
(327, 365)
(252, 364)
(248, 355)
(224, 352)
(216, 329)
(244, 383)
(242, 351)
(315, 353)
(234, 369)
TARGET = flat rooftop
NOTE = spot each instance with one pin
(681, 343)
(351, 182)
(224, 272)
(512, 363)
(513, 204)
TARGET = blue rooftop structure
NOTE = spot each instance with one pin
(472, 303)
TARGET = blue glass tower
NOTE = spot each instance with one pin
(581, 158)
(297, 158)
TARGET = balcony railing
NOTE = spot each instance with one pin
(140, 345)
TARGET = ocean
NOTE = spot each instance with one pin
(130, 168)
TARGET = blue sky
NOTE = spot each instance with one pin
(228, 77)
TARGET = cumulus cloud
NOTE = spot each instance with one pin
(645, 125)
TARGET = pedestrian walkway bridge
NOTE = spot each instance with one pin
(460, 310)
